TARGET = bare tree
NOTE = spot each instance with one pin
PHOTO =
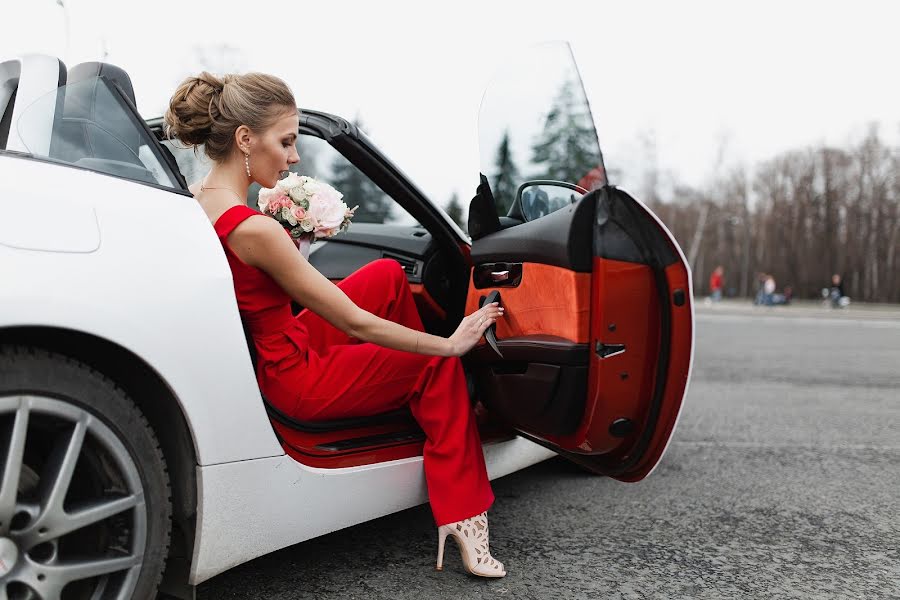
(803, 216)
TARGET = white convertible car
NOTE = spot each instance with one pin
(137, 453)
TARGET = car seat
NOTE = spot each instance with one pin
(282, 421)
(96, 132)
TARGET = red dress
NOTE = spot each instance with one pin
(310, 370)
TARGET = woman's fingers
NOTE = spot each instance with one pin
(491, 310)
(483, 318)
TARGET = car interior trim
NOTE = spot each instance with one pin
(550, 300)
(564, 235)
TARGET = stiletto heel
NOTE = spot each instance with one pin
(442, 536)
(471, 535)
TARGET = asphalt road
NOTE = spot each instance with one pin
(783, 481)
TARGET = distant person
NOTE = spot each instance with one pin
(835, 294)
(769, 290)
(783, 298)
(715, 284)
(760, 296)
(788, 294)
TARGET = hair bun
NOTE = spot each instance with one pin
(206, 110)
(194, 108)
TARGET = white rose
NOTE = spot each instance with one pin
(297, 193)
(288, 216)
(291, 181)
(311, 186)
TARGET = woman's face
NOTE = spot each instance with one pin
(274, 150)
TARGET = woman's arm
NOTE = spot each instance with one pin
(262, 243)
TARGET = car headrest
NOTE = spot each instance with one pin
(115, 74)
(93, 126)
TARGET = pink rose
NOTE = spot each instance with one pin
(277, 203)
(262, 201)
(298, 212)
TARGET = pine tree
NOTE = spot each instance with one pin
(506, 179)
(374, 205)
(455, 210)
(567, 149)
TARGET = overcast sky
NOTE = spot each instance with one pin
(753, 78)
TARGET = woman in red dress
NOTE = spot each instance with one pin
(359, 348)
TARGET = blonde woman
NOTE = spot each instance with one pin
(359, 348)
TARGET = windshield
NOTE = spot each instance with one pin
(535, 124)
(89, 125)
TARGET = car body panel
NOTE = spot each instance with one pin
(20, 229)
(678, 276)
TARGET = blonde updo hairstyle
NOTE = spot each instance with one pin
(206, 109)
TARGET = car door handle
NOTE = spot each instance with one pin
(489, 334)
(497, 274)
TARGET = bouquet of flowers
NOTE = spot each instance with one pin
(307, 208)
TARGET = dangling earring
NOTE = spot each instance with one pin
(247, 162)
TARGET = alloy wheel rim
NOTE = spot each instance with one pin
(45, 511)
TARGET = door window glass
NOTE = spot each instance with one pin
(535, 123)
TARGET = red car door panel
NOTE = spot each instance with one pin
(597, 341)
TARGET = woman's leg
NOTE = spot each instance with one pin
(365, 379)
(379, 287)
(348, 378)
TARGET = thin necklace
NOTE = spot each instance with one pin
(203, 188)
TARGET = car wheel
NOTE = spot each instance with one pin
(84, 494)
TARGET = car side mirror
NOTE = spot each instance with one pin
(535, 199)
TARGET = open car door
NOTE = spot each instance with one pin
(594, 354)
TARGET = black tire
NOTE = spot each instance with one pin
(73, 386)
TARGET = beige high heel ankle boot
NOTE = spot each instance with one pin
(471, 536)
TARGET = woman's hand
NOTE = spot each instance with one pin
(472, 327)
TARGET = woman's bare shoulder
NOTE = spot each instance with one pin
(258, 230)
(261, 241)
(259, 225)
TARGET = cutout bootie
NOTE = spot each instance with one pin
(471, 536)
